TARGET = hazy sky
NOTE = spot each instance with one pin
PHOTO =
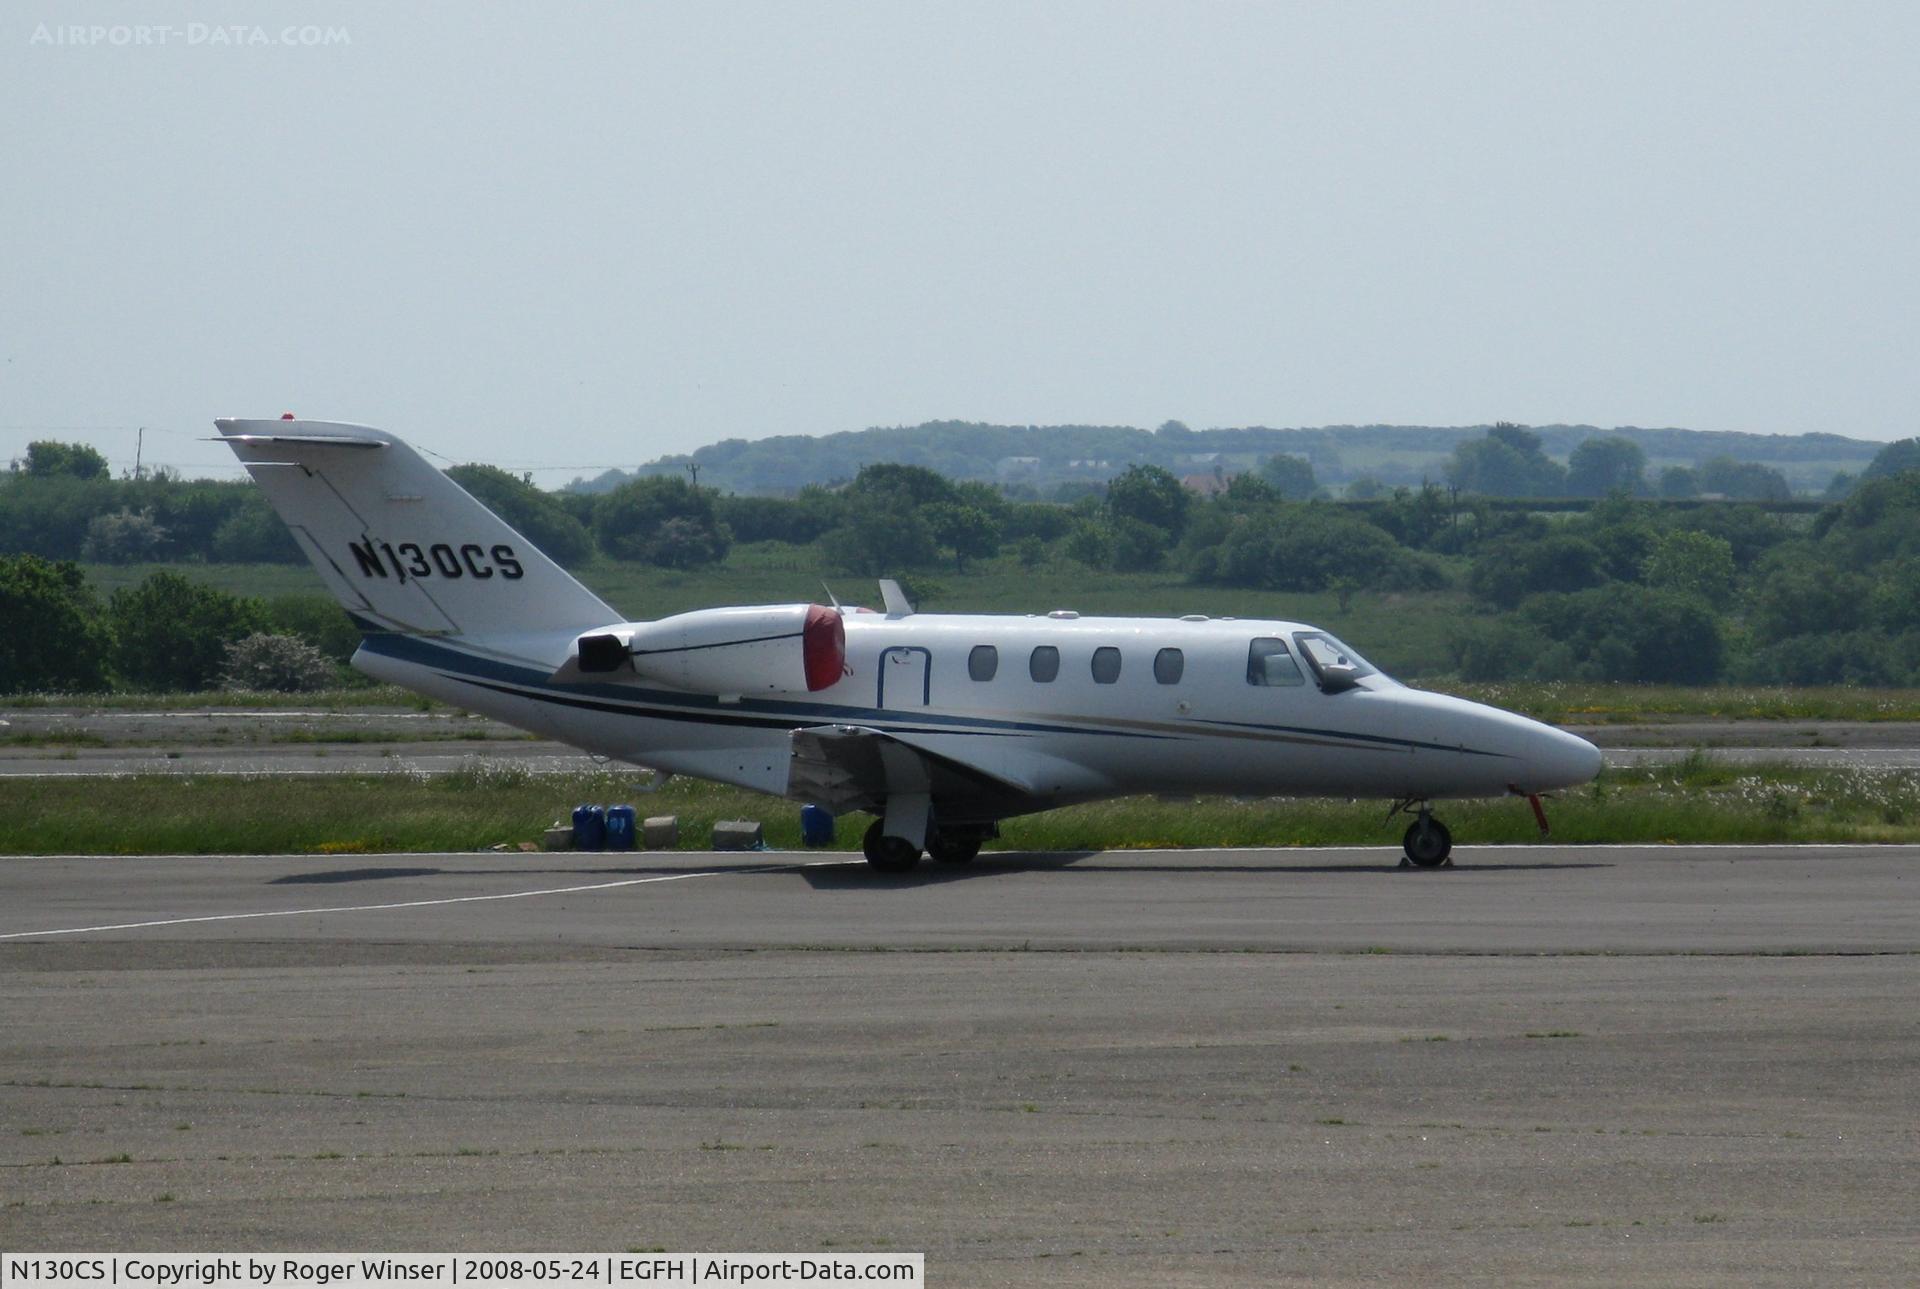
(580, 236)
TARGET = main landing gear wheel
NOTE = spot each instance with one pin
(953, 848)
(889, 854)
(1428, 842)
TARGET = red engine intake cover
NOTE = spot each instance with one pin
(823, 647)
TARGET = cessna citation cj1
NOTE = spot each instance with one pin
(940, 725)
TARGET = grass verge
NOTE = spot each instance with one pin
(320, 700)
(1568, 703)
(1695, 800)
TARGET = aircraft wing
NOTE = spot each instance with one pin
(851, 767)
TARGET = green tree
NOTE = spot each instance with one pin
(1508, 462)
(1901, 454)
(1308, 548)
(1291, 476)
(1830, 658)
(1880, 521)
(1090, 542)
(881, 540)
(254, 534)
(1508, 571)
(48, 515)
(317, 619)
(1622, 632)
(1742, 480)
(968, 531)
(1800, 595)
(1365, 488)
(1606, 464)
(1692, 563)
(1678, 483)
(53, 636)
(123, 537)
(172, 633)
(46, 459)
(912, 484)
(633, 523)
(1152, 496)
(538, 515)
(1497, 649)
(1895, 599)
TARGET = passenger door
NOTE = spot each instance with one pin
(906, 678)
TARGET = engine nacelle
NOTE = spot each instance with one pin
(752, 649)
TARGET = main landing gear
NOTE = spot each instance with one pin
(957, 845)
(889, 854)
(1428, 843)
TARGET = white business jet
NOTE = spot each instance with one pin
(940, 725)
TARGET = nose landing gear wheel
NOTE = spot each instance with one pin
(889, 854)
(1428, 843)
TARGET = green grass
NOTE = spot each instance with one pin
(1698, 801)
(323, 700)
(1572, 703)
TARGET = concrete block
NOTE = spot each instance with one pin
(557, 838)
(660, 832)
(738, 834)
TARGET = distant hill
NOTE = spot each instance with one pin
(1043, 457)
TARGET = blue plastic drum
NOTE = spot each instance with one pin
(589, 828)
(619, 827)
(816, 826)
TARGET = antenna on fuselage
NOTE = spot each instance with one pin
(895, 599)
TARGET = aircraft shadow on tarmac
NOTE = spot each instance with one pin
(853, 874)
(352, 875)
(850, 877)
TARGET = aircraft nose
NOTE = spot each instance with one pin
(1557, 759)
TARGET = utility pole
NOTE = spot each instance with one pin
(139, 443)
(693, 468)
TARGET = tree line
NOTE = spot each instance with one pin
(1631, 588)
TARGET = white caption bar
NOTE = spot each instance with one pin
(333, 1270)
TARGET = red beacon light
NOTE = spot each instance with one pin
(286, 416)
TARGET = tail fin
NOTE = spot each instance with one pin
(401, 546)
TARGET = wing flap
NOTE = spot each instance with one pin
(851, 767)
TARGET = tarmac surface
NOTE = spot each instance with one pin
(1547, 1064)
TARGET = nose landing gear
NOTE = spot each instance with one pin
(1427, 841)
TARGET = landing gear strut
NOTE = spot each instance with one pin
(1428, 843)
(889, 854)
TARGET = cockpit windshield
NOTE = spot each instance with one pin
(1328, 657)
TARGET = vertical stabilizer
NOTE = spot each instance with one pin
(404, 548)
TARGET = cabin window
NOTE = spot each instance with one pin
(1106, 665)
(1044, 665)
(1269, 663)
(1167, 666)
(983, 662)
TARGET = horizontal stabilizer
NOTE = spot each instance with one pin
(310, 440)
